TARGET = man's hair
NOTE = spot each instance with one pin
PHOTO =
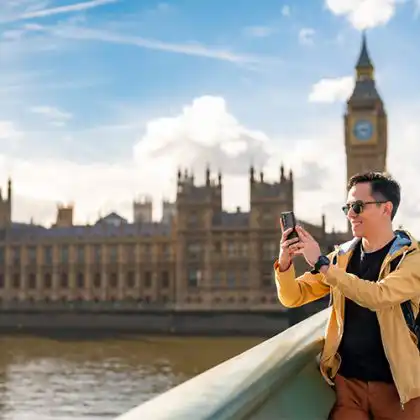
(383, 186)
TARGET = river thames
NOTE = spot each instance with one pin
(59, 379)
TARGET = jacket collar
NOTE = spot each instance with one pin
(403, 239)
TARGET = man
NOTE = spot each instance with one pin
(369, 355)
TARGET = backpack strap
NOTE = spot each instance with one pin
(406, 307)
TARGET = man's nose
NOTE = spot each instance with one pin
(351, 214)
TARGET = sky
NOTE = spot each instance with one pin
(102, 100)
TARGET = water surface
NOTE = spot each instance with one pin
(50, 379)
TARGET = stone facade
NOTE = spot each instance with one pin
(200, 258)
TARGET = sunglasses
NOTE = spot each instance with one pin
(358, 206)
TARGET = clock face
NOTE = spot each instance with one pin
(363, 130)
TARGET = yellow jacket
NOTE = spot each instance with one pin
(384, 297)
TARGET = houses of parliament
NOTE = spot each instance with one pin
(198, 256)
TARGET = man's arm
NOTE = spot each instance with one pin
(397, 287)
(293, 292)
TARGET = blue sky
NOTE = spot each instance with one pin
(110, 96)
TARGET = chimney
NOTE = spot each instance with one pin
(64, 216)
(251, 175)
(208, 176)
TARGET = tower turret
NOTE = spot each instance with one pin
(251, 174)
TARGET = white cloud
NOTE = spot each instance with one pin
(54, 115)
(285, 11)
(203, 132)
(13, 34)
(8, 131)
(259, 31)
(363, 14)
(192, 48)
(40, 10)
(306, 36)
(332, 90)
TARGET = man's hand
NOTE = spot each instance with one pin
(307, 246)
(287, 250)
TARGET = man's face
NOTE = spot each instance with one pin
(372, 217)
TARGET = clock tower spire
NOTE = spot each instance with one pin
(364, 66)
(365, 120)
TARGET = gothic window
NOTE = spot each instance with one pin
(130, 252)
(269, 250)
(113, 280)
(231, 279)
(32, 281)
(244, 278)
(113, 253)
(194, 277)
(48, 255)
(47, 281)
(231, 249)
(81, 254)
(147, 279)
(130, 279)
(97, 253)
(80, 280)
(267, 279)
(32, 255)
(244, 249)
(165, 279)
(64, 254)
(97, 281)
(64, 281)
(217, 278)
(147, 249)
(166, 251)
(16, 255)
(217, 247)
(16, 280)
(194, 249)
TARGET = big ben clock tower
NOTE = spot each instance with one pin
(365, 121)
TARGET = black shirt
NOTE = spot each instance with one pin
(361, 348)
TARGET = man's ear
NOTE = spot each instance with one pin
(388, 208)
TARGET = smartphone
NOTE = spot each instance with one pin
(288, 221)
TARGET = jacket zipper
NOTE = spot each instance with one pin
(341, 325)
(386, 263)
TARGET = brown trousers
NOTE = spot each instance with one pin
(358, 400)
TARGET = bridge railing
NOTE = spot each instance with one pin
(245, 386)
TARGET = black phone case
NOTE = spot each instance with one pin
(289, 221)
